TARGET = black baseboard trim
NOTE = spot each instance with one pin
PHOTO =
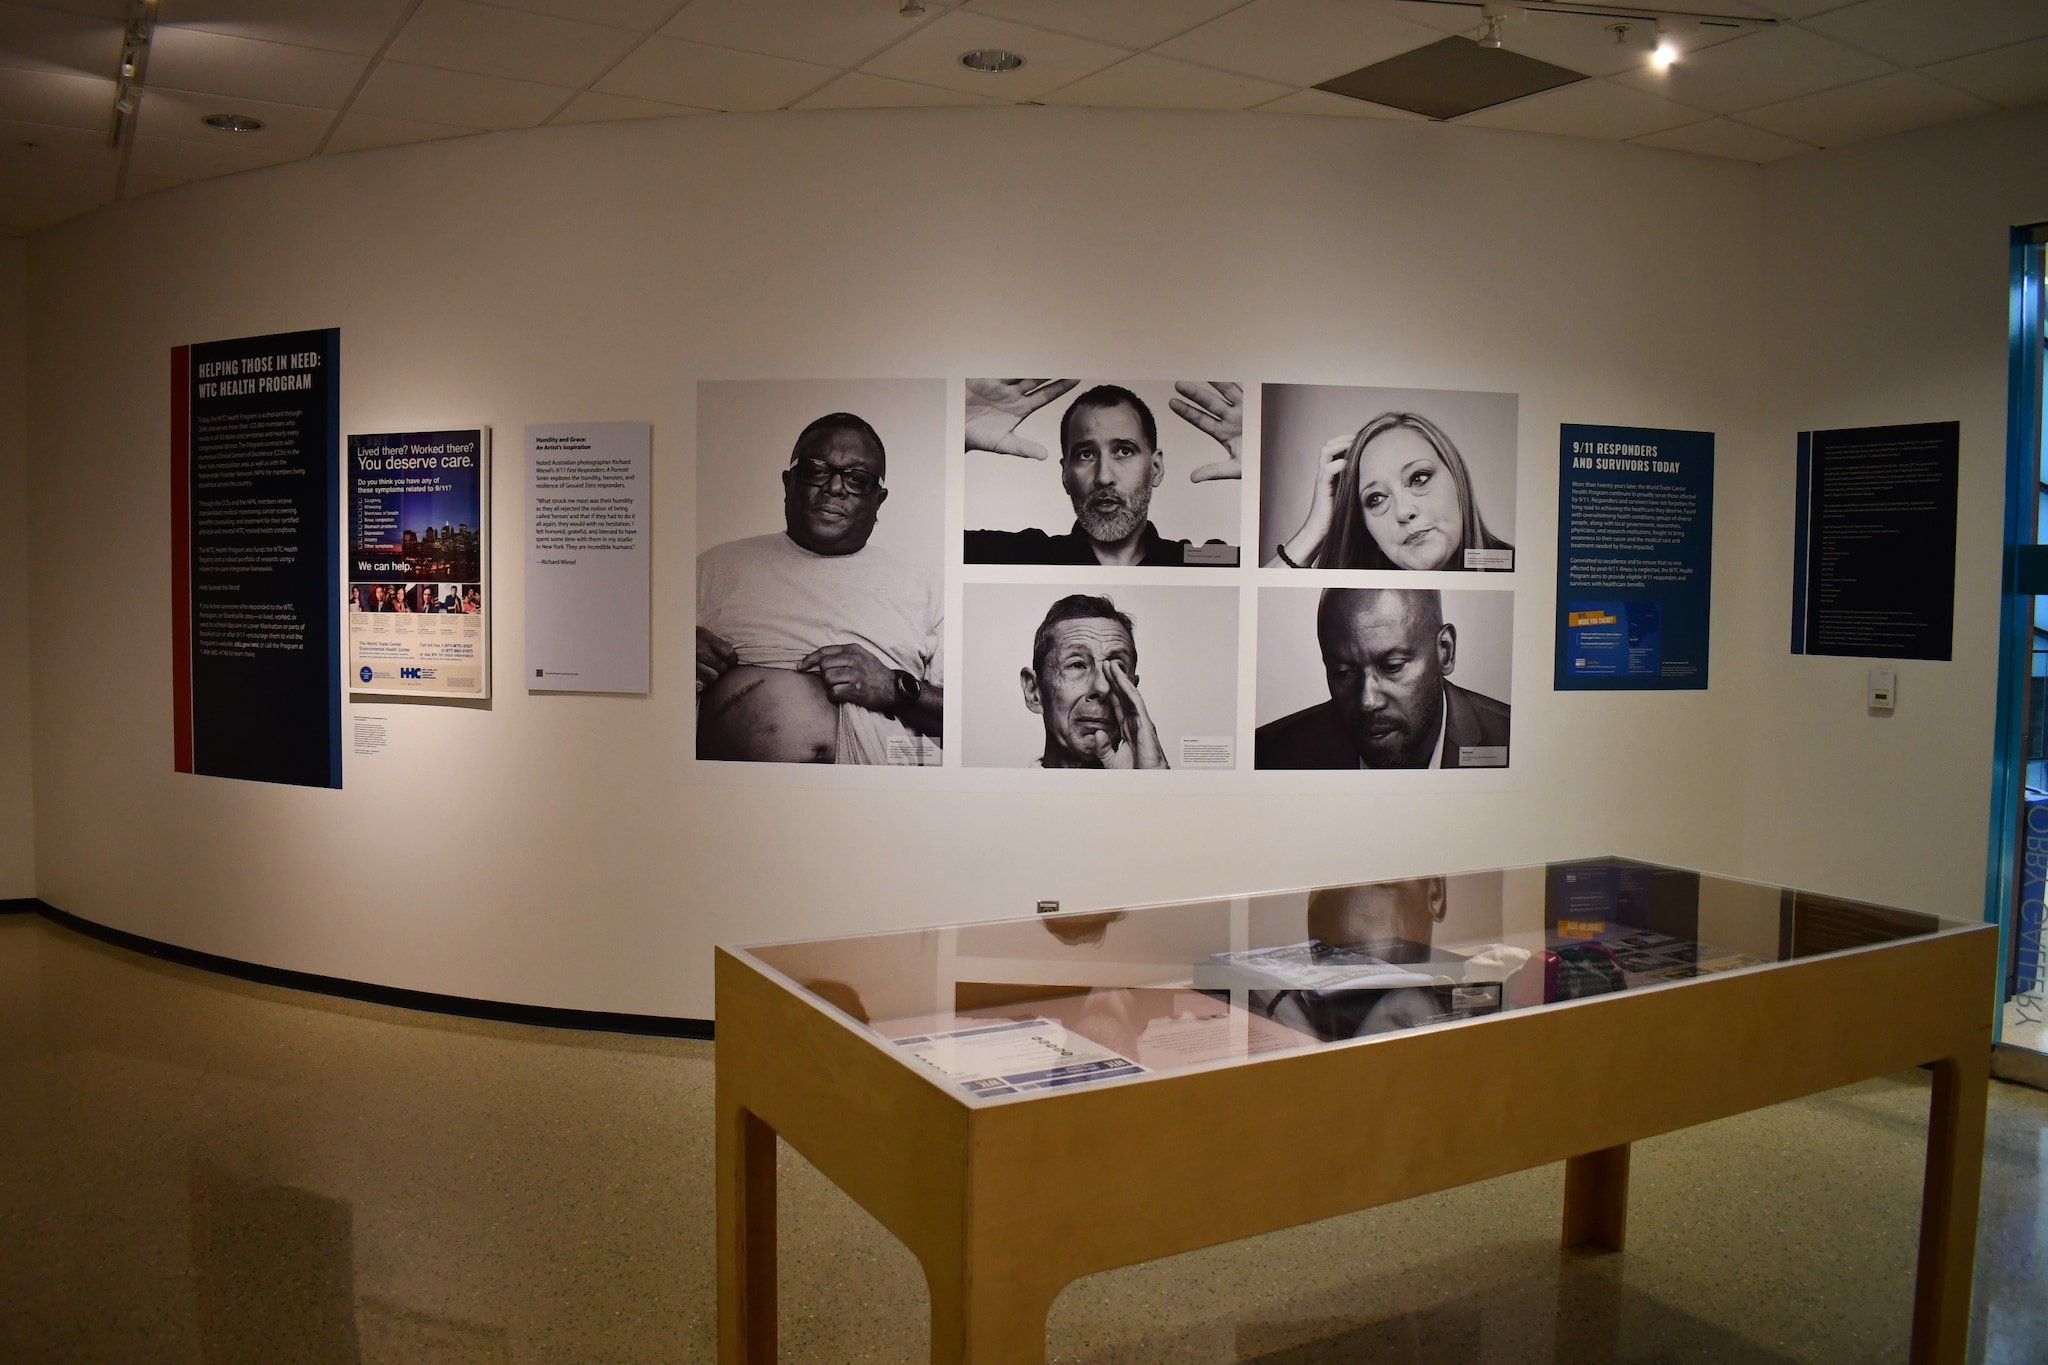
(25, 905)
(539, 1016)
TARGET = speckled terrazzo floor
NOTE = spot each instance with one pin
(195, 1169)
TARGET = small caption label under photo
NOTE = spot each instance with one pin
(1213, 752)
(368, 736)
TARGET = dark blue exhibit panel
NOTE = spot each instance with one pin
(1635, 515)
(255, 558)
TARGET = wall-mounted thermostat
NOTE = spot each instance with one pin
(1883, 690)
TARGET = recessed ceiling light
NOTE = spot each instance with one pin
(233, 123)
(991, 59)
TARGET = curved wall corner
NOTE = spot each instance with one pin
(17, 797)
(564, 851)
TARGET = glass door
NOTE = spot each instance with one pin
(2017, 885)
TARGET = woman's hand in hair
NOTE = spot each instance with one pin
(1304, 545)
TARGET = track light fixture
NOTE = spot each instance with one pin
(1666, 51)
(133, 69)
(1628, 18)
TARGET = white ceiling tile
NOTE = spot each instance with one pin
(1916, 32)
(33, 197)
(193, 59)
(1728, 139)
(36, 39)
(1443, 18)
(69, 101)
(46, 144)
(1889, 104)
(2012, 76)
(1587, 43)
(677, 72)
(175, 158)
(425, 94)
(1575, 42)
(1120, 23)
(1299, 42)
(1802, 9)
(360, 132)
(1595, 109)
(359, 26)
(1339, 106)
(859, 90)
(286, 127)
(1754, 9)
(459, 36)
(1149, 82)
(828, 32)
(591, 107)
(116, 10)
(641, 16)
(932, 56)
(135, 185)
(1761, 68)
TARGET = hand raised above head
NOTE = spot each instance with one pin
(995, 408)
(1217, 408)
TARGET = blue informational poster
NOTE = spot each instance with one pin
(1635, 533)
(419, 593)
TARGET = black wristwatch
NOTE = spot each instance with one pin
(906, 694)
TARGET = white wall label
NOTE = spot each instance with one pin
(369, 736)
(586, 556)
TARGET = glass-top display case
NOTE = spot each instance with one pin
(977, 1088)
(1000, 1011)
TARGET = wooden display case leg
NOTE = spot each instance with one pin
(1948, 1209)
(1596, 1198)
(977, 1322)
(746, 1239)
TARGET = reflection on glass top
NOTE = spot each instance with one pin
(1015, 1008)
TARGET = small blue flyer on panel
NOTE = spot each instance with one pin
(1635, 557)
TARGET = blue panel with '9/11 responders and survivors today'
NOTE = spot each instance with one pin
(1635, 557)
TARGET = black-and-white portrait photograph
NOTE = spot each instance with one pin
(1383, 678)
(1087, 676)
(1365, 478)
(1087, 471)
(820, 587)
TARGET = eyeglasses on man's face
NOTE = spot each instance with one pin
(818, 474)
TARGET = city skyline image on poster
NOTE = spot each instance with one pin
(418, 554)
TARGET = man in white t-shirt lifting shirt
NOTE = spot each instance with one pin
(812, 645)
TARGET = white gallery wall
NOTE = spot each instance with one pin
(17, 820)
(566, 851)
(1887, 280)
